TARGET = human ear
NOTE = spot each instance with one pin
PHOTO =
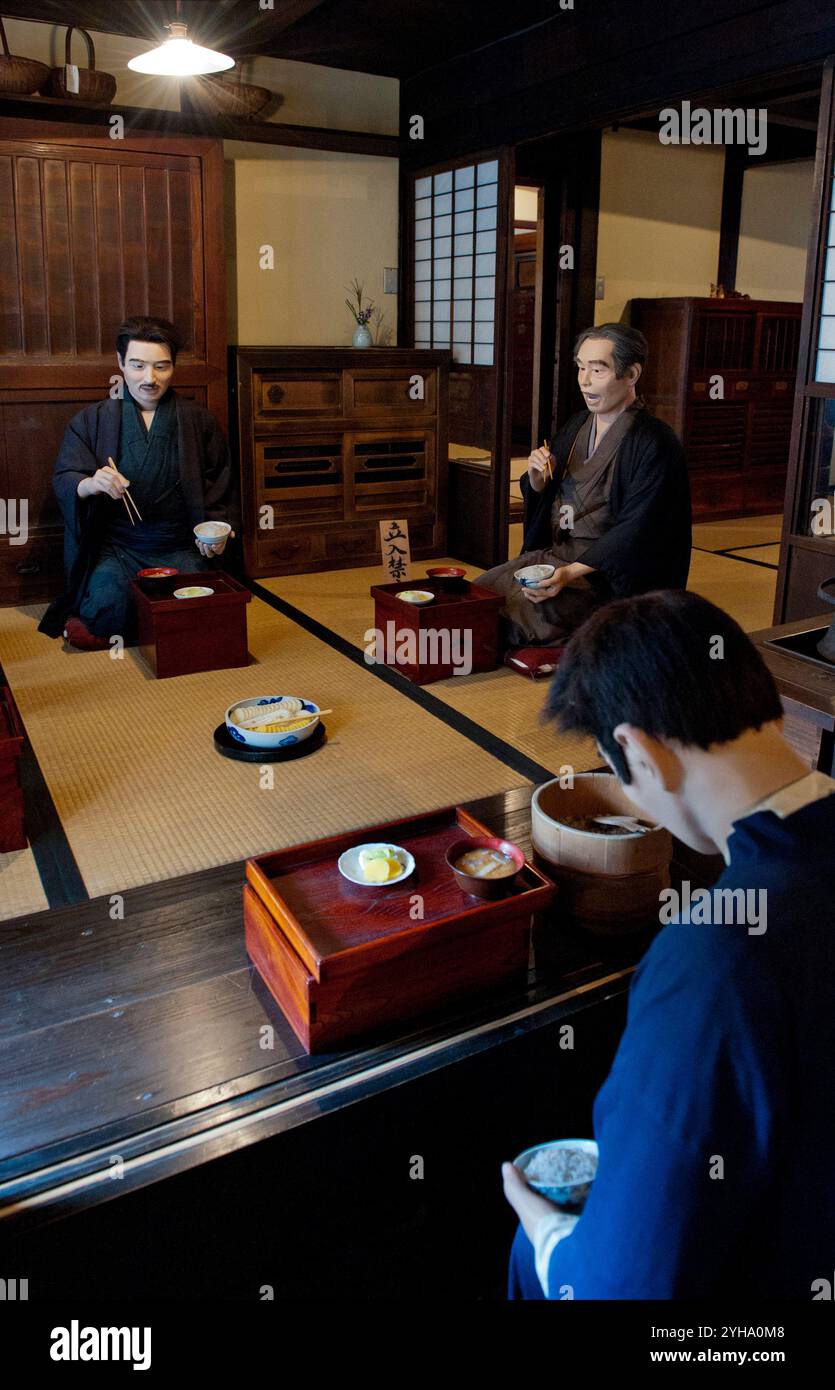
(651, 755)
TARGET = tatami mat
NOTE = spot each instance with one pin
(763, 554)
(744, 591)
(21, 890)
(732, 535)
(506, 704)
(143, 795)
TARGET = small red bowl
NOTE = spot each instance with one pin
(484, 887)
(447, 572)
(153, 580)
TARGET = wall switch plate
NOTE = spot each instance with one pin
(390, 280)
(600, 287)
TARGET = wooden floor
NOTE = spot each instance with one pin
(133, 1052)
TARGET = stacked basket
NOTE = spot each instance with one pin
(20, 76)
(94, 88)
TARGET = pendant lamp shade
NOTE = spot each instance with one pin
(179, 57)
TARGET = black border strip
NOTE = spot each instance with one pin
(54, 859)
(757, 545)
(747, 559)
(490, 743)
(743, 559)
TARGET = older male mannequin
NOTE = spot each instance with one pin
(608, 504)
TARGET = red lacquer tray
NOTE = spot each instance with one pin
(12, 834)
(180, 636)
(342, 959)
(458, 608)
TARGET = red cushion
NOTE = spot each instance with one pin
(536, 662)
(79, 636)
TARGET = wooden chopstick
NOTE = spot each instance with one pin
(547, 446)
(271, 719)
(126, 497)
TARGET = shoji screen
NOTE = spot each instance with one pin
(455, 245)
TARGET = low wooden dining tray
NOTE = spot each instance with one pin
(342, 960)
(12, 834)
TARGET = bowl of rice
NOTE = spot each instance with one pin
(562, 1171)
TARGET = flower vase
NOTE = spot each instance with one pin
(362, 336)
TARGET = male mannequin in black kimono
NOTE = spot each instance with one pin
(172, 454)
(608, 504)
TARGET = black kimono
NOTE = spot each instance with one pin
(634, 531)
(96, 530)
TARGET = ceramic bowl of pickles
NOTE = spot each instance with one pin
(485, 866)
(281, 720)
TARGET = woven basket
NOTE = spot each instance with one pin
(20, 76)
(213, 96)
(94, 88)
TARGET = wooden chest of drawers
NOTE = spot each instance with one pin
(721, 373)
(332, 441)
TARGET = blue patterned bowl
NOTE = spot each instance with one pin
(562, 1171)
(255, 739)
(532, 575)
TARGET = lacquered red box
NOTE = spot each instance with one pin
(178, 636)
(461, 621)
(342, 959)
(12, 833)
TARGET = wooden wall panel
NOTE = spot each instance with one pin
(33, 431)
(30, 251)
(56, 241)
(11, 330)
(133, 239)
(157, 253)
(108, 265)
(101, 234)
(84, 254)
(186, 260)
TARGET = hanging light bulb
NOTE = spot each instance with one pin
(179, 57)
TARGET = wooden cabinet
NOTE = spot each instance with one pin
(332, 441)
(721, 372)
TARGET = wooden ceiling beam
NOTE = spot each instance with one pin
(241, 26)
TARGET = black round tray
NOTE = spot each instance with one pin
(229, 748)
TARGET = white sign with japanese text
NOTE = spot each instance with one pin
(394, 542)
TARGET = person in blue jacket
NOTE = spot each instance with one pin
(716, 1124)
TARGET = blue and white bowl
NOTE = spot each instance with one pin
(563, 1171)
(532, 575)
(255, 739)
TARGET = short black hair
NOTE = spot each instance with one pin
(671, 664)
(629, 346)
(144, 329)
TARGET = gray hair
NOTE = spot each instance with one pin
(628, 345)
